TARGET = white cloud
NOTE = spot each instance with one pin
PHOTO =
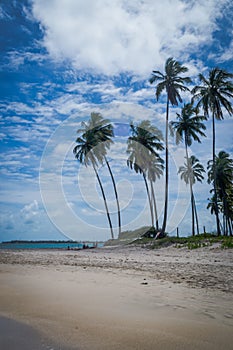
(223, 55)
(110, 36)
(30, 212)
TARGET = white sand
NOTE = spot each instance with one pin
(122, 298)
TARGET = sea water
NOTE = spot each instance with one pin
(48, 245)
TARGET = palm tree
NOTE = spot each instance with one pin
(188, 127)
(222, 172)
(91, 149)
(144, 142)
(173, 84)
(103, 131)
(191, 172)
(213, 95)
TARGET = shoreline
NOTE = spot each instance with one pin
(121, 298)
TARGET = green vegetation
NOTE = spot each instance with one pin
(192, 242)
(222, 172)
(137, 237)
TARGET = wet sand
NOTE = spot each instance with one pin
(15, 335)
(121, 298)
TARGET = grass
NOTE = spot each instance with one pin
(190, 242)
(199, 241)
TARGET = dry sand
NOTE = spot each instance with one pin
(121, 298)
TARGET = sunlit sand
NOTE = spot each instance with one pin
(122, 298)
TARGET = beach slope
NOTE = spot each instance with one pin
(121, 298)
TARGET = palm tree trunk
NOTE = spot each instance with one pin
(149, 199)
(195, 210)
(214, 173)
(116, 195)
(224, 225)
(166, 172)
(229, 225)
(191, 192)
(105, 202)
(225, 212)
(155, 206)
(193, 215)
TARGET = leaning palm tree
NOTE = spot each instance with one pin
(145, 142)
(222, 172)
(191, 172)
(213, 94)
(89, 151)
(173, 83)
(188, 127)
(103, 133)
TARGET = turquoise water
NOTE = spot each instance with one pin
(45, 245)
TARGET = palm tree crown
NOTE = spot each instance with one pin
(223, 168)
(94, 141)
(171, 81)
(188, 125)
(192, 171)
(214, 92)
(145, 140)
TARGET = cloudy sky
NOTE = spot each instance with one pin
(62, 60)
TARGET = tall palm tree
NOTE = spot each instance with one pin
(145, 141)
(213, 95)
(222, 172)
(191, 172)
(90, 151)
(103, 133)
(173, 83)
(188, 127)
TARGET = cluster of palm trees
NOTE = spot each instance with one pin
(146, 142)
(222, 174)
(213, 95)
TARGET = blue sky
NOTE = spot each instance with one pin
(62, 60)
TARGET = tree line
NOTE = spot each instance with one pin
(210, 99)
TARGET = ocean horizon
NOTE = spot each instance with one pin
(49, 245)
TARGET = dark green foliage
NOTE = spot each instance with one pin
(222, 173)
(227, 242)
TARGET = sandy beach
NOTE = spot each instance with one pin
(118, 298)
